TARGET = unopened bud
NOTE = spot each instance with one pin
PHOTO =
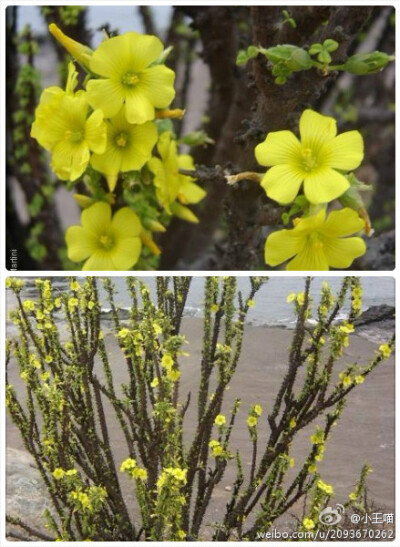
(183, 212)
(367, 63)
(78, 51)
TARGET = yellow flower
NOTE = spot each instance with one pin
(157, 328)
(327, 488)
(154, 383)
(292, 423)
(29, 305)
(128, 465)
(129, 76)
(174, 375)
(251, 303)
(312, 468)
(214, 308)
(353, 496)
(308, 524)
(346, 379)
(167, 361)
(58, 473)
(359, 379)
(78, 51)
(251, 421)
(140, 474)
(317, 244)
(105, 243)
(347, 328)
(317, 160)
(300, 298)
(217, 451)
(129, 147)
(291, 297)
(63, 127)
(220, 420)
(71, 472)
(291, 462)
(170, 184)
(257, 410)
(385, 350)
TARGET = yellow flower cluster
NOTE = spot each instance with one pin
(111, 126)
(174, 477)
(326, 488)
(318, 163)
(130, 467)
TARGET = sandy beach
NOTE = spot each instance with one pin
(365, 432)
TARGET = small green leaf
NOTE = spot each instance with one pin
(324, 57)
(331, 45)
(241, 58)
(315, 48)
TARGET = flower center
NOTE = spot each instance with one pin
(121, 139)
(316, 242)
(308, 160)
(74, 135)
(130, 79)
(106, 242)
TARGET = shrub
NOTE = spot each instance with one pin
(174, 471)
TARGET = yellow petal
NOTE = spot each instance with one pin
(309, 258)
(130, 52)
(126, 223)
(316, 129)
(345, 151)
(157, 83)
(126, 253)
(109, 163)
(282, 183)
(80, 160)
(342, 223)
(142, 139)
(306, 225)
(340, 253)
(96, 132)
(279, 147)
(111, 58)
(165, 146)
(80, 243)
(325, 185)
(97, 218)
(185, 161)
(189, 192)
(282, 245)
(106, 95)
(100, 261)
(139, 108)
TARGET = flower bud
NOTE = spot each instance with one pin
(78, 51)
(183, 212)
(367, 63)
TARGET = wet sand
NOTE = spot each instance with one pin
(365, 433)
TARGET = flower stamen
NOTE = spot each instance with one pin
(130, 79)
(107, 242)
(74, 136)
(308, 159)
(121, 139)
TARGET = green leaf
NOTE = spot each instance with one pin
(331, 45)
(315, 48)
(241, 58)
(324, 57)
(252, 51)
